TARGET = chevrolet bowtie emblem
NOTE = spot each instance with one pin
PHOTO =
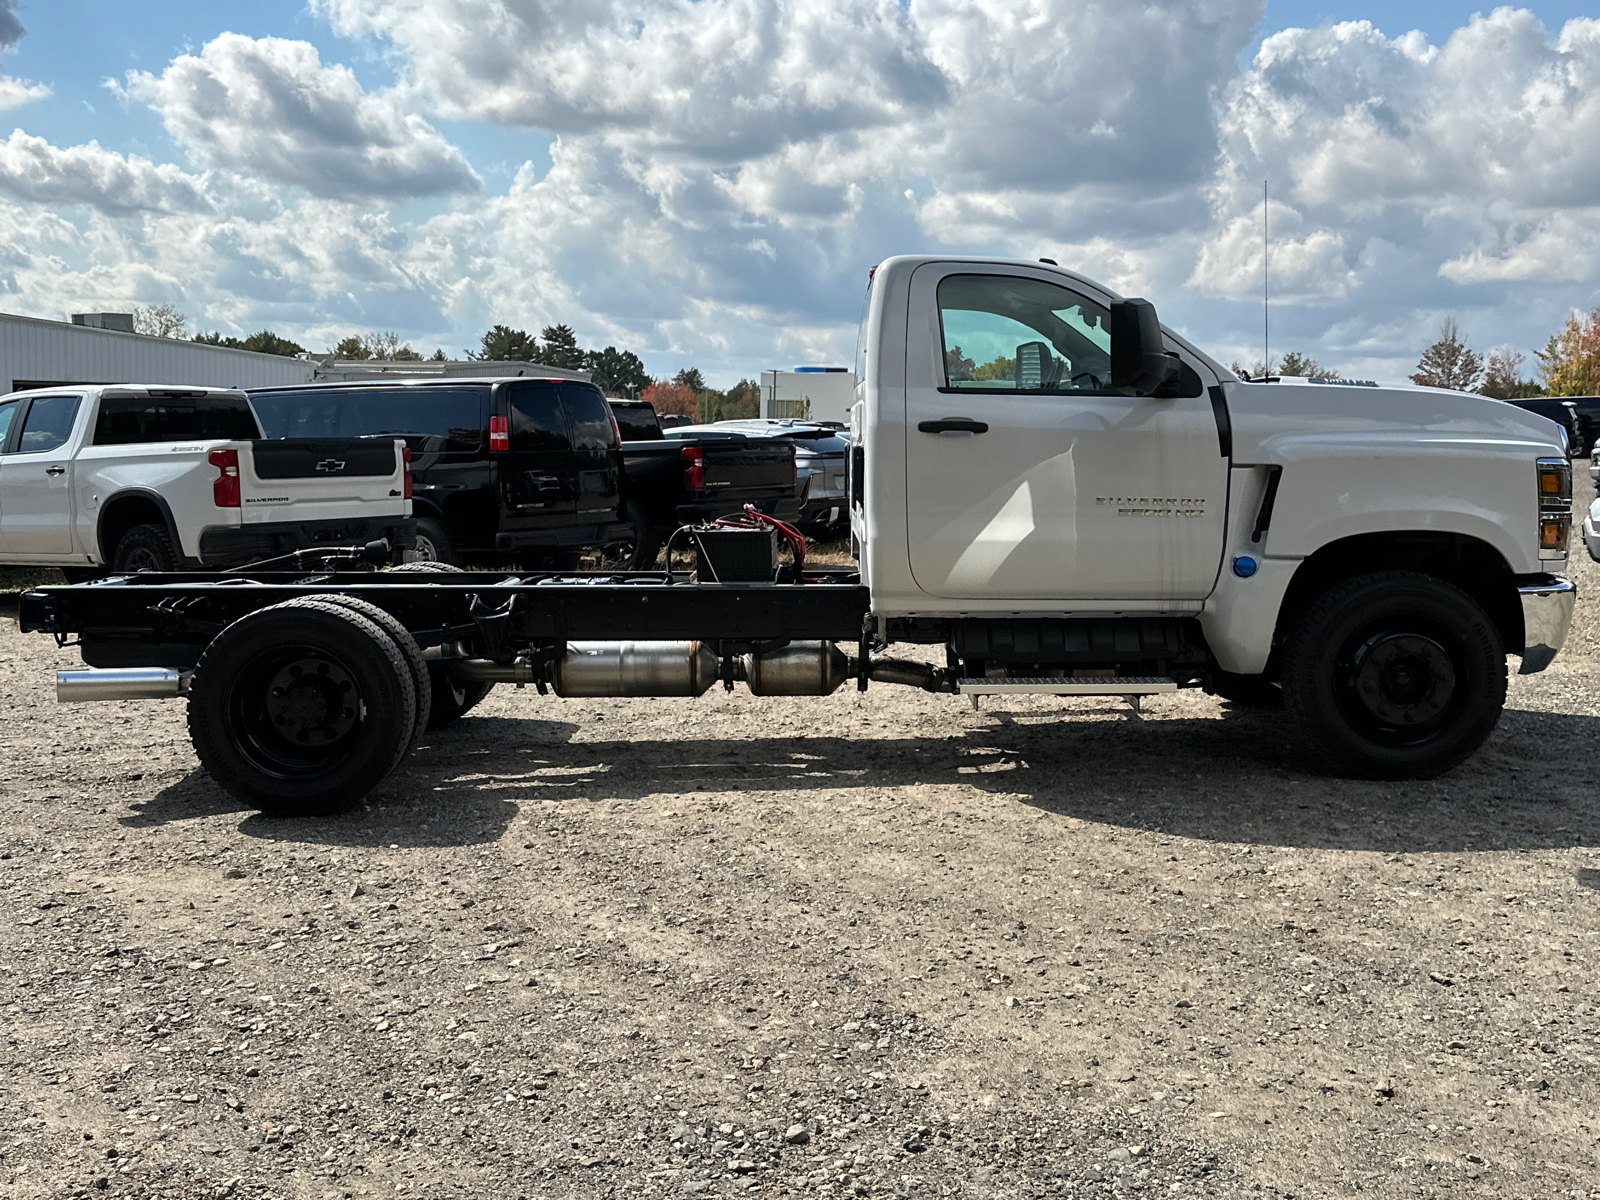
(331, 464)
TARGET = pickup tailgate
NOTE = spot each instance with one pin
(748, 469)
(322, 479)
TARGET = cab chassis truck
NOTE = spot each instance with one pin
(1064, 495)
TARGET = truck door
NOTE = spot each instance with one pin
(539, 472)
(594, 444)
(1027, 478)
(36, 479)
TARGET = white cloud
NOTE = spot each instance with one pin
(32, 168)
(15, 92)
(270, 107)
(724, 171)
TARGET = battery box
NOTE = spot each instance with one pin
(725, 555)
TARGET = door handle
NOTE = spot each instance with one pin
(952, 425)
(55, 470)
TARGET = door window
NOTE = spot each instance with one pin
(1008, 334)
(48, 424)
(536, 421)
(8, 410)
(590, 418)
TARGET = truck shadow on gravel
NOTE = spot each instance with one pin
(1239, 779)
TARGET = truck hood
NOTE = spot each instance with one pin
(1263, 413)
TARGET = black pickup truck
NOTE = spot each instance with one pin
(526, 471)
(505, 471)
(684, 480)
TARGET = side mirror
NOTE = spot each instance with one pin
(1139, 360)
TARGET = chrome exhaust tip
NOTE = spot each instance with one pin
(121, 683)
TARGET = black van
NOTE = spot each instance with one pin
(504, 470)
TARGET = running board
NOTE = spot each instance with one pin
(1126, 686)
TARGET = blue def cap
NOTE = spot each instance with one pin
(1244, 566)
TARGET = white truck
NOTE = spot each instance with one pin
(1049, 489)
(135, 477)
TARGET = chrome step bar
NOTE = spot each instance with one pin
(1125, 686)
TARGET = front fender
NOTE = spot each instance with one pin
(1336, 486)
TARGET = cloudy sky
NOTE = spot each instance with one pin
(707, 183)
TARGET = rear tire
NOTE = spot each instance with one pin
(433, 543)
(1394, 675)
(638, 552)
(449, 699)
(409, 651)
(145, 548)
(302, 708)
(452, 698)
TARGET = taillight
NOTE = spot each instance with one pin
(405, 455)
(616, 430)
(694, 475)
(499, 434)
(225, 488)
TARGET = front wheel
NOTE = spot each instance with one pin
(1394, 675)
(433, 543)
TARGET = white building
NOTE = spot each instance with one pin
(36, 353)
(813, 393)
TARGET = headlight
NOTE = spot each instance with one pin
(1555, 506)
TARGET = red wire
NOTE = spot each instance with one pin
(754, 518)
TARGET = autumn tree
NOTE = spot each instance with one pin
(1502, 379)
(1570, 361)
(669, 396)
(159, 320)
(1449, 362)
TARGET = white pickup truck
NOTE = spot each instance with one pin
(134, 477)
(1060, 495)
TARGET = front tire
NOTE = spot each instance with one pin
(638, 551)
(302, 708)
(1394, 675)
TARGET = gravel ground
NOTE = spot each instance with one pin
(868, 946)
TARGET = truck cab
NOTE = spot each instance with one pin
(1057, 487)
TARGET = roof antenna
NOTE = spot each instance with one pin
(1266, 311)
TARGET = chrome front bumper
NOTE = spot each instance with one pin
(1546, 617)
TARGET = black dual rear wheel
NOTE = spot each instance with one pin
(302, 708)
(1394, 675)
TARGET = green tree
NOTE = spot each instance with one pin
(558, 347)
(267, 342)
(691, 378)
(999, 367)
(159, 320)
(352, 347)
(957, 366)
(1301, 366)
(1503, 380)
(504, 344)
(1449, 362)
(218, 339)
(743, 401)
(438, 356)
(616, 372)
